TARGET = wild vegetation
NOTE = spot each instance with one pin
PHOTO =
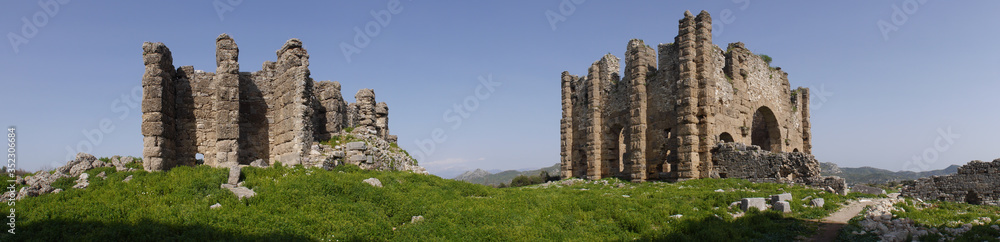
(297, 203)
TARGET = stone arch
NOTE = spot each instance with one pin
(764, 130)
(795, 150)
(726, 137)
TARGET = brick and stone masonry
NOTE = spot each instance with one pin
(234, 117)
(977, 182)
(661, 119)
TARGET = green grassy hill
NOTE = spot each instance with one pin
(480, 176)
(295, 203)
(871, 175)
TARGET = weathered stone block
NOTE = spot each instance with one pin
(356, 145)
(817, 202)
(754, 202)
(781, 197)
(782, 206)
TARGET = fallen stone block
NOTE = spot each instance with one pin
(356, 145)
(781, 197)
(782, 206)
(753, 202)
(818, 202)
(234, 174)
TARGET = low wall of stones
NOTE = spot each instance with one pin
(737, 160)
(977, 182)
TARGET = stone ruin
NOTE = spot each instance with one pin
(975, 183)
(235, 118)
(661, 119)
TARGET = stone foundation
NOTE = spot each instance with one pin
(975, 183)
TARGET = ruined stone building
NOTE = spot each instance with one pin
(977, 182)
(662, 117)
(234, 117)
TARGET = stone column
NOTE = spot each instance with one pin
(365, 99)
(157, 107)
(566, 126)
(382, 119)
(687, 129)
(706, 91)
(227, 101)
(639, 65)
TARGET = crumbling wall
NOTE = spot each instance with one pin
(669, 109)
(276, 114)
(977, 182)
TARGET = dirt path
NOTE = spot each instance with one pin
(831, 225)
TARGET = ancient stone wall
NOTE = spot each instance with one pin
(751, 162)
(231, 117)
(661, 118)
(977, 182)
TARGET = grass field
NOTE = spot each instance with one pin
(295, 203)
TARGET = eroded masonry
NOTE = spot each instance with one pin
(231, 117)
(663, 117)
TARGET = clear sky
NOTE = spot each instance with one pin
(879, 99)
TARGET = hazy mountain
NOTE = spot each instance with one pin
(867, 174)
(479, 176)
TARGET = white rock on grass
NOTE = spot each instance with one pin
(374, 182)
(216, 205)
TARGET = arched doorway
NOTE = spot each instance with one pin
(725, 137)
(764, 132)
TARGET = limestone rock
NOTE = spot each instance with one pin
(416, 219)
(817, 202)
(356, 146)
(259, 163)
(102, 175)
(240, 191)
(82, 181)
(782, 206)
(234, 175)
(214, 206)
(754, 202)
(128, 178)
(781, 197)
(374, 182)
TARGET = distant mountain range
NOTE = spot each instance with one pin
(873, 175)
(479, 176)
(860, 175)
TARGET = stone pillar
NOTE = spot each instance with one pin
(566, 127)
(332, 103)
(806, 126)
(382, 119)
(706, 91)
(293, 103)
(157, 107)
(365, 98)
(227, 101)
(596, 124)
(640, 64)
(687, 88)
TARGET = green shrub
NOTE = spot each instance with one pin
(767, 59)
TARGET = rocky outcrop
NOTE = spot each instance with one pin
(977, 182)
(367, 150)
(41, 182)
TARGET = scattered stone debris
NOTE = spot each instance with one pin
(234, 175)
(234, 185)
(677, 216)
(216, 205)
(127, 178)
(102, 176)
(374, 182)
(416, 219)
(782, 206)
(82, 182)
(259, 163)
(720, 190)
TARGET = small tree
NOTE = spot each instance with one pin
(767, 59)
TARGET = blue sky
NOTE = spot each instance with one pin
(878, 99)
